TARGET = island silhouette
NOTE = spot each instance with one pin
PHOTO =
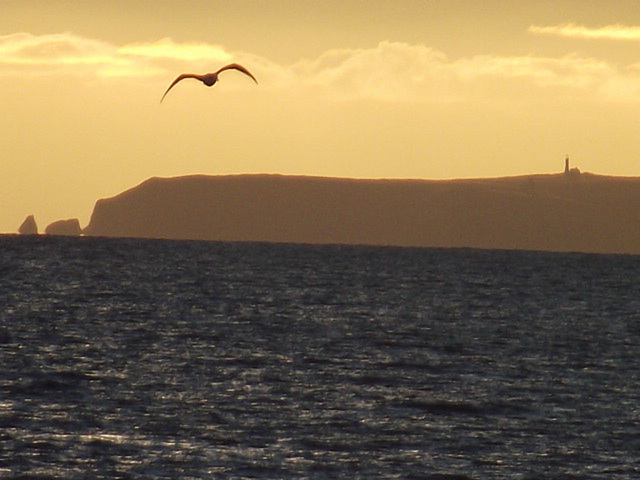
(570, 211)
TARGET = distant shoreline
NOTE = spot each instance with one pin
(561, 212)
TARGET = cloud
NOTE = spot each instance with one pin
(570, 70)
(391, 71)
(52, 49)
(607, 32)
(167, 48)
(387, 72)
(61, 53)
(69, 53)
(395, 71)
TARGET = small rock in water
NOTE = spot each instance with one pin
(64, 227)
(29, 226)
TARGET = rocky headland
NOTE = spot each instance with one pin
(556, 212)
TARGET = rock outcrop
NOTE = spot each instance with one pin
(29, 226)
(586, 212)
(69, 227)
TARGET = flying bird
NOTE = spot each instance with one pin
(209, 79)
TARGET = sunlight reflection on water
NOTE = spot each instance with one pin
(151, 359)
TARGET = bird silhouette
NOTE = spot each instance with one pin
(209, 79)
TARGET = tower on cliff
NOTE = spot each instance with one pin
(568, 171)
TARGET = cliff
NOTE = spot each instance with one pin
(577, 212)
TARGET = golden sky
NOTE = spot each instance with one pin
(355, 88)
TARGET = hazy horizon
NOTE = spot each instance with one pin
(407, 90)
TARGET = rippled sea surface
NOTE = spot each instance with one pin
(164, 359)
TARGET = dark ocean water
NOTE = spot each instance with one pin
(163, 359)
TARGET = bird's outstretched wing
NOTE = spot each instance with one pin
(240, 68)
(181, 77)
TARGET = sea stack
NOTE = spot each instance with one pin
(69, 227)
(29, 226)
